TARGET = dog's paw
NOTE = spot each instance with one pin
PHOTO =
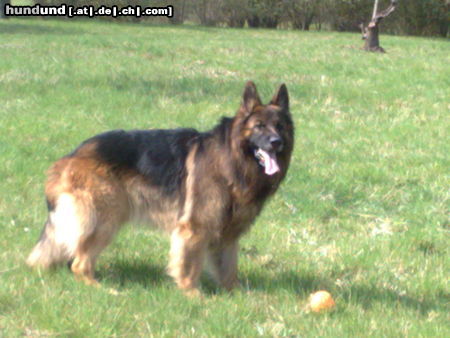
(193, 293)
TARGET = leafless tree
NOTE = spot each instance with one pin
(371, 32)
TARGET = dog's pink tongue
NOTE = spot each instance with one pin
(270, 162)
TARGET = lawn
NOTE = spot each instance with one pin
(363, 212)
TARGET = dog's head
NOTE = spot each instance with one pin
(266, 129)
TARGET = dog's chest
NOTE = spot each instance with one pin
(240, 219)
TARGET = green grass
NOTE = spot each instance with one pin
(363, 213)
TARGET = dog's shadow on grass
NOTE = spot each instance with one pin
(300, 284)
(362, 294)
(368, 296)
(126, 273)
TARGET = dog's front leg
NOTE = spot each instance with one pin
(224, 262)
(187, 251)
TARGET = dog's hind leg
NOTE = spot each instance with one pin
(84, 262)
(75, 231)
(88, 249)
(223, 261)
(187, 252)
(106, 220)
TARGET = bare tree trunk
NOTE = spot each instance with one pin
(370, 33)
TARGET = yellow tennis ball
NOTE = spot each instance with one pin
(321, 301)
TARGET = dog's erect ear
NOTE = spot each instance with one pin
(281, 98)
(250, 98)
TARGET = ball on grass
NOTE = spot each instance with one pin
(321, 301)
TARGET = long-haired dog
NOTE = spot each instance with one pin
(204, 188)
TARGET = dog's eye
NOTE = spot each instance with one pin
(279, 126)
(260, 125)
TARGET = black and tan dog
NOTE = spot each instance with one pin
(204, 188)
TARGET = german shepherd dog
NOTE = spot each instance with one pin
(204, 188)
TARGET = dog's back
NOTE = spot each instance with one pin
(105, 181)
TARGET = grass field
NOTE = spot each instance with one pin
(363, 213)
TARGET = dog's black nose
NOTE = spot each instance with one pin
(276, 142)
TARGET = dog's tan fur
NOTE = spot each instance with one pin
(205, 218)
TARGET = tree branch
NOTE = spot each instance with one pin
(375, 9)
(363, 31)
(380, 16)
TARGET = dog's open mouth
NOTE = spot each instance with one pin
(268, 160)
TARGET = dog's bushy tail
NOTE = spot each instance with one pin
(47, 253)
